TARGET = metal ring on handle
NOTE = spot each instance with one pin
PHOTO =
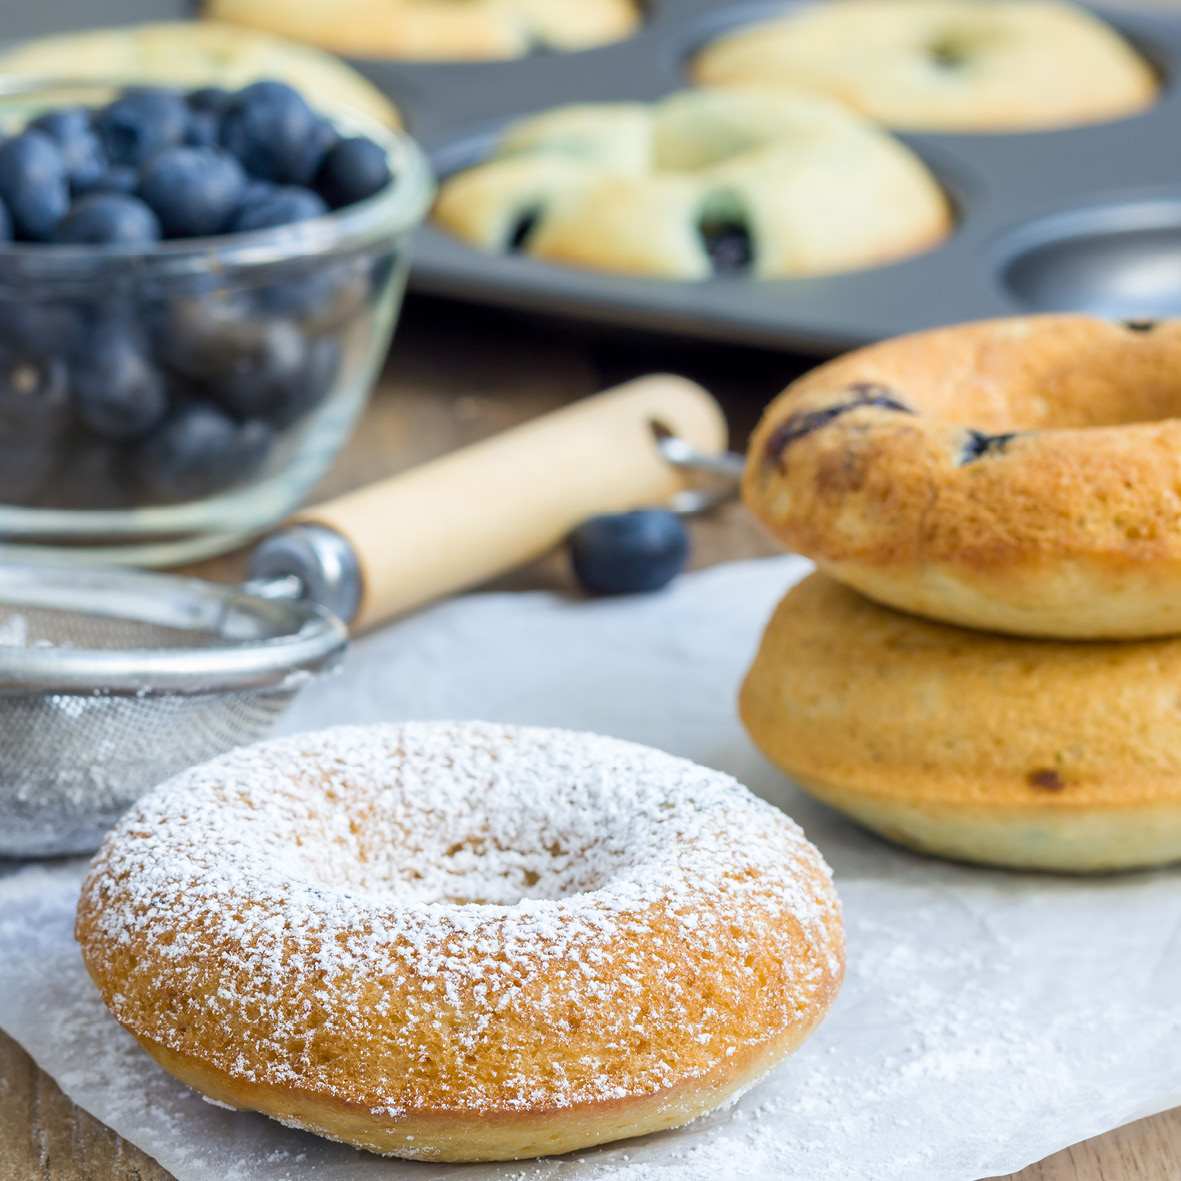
(722, 474)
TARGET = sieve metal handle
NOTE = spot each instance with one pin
(490, 507)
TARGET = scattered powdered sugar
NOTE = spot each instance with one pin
(14, 632)
(987, 1018)
(427, 883)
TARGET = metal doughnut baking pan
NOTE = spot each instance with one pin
(1083, 219)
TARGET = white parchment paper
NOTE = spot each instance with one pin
(987, 1020)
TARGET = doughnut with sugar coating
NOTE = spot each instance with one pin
(462, 941)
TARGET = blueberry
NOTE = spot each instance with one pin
(626, 553)
(320, 297)
(205, 110)
(313, 386)
(202, 339)
(212, 99)
(33, 183)
(141, 122)
(862, 395)
(352, 170)
(269, 365)
(117, 391)
(72, 130)
(322, 138)
(193, 191)
(268, 126)
(728, 243)
(979, 444)
(269, 373)
(40, 329)
(118, 178)
(34, 397)
(199, 450)
(107, 217)
(278, 205)
(203, 130)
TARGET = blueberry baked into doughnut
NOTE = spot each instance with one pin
(427, 29)
(462, 941)
(748, 181)
(1035, 754)
(943, 65)
(1018, 475)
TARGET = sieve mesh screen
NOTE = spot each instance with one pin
(111, 681)
(70, 765)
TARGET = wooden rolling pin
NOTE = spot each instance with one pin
(488, 508)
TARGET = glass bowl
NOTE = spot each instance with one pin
(267, 342)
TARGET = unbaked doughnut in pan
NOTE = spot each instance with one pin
(766, 184)
(943, 65)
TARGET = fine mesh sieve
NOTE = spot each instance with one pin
(110, 681)
(113, 680)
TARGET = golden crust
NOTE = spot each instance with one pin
(1019, 475)
(1028, 753)
(425, 29)
(188, 53)
(498, 1135)
(285, 930)
(627, 187)
(951, 65)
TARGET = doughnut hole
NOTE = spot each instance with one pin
(469, 842)
(1077, 377)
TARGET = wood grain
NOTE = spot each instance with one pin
(457, 374)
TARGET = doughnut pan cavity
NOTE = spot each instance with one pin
(1082, 219)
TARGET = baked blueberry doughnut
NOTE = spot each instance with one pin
(431, 30)
(189, 54)
(943, 65)
(462, 941)
(1019, 475)
(759, 182)
(1035, 754)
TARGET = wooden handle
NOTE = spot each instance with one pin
(481, 511)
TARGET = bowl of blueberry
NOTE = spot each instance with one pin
(197, 291)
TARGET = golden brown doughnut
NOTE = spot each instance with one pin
(1036, 754)
(1019, 475)
(462, 941)
(943, 65)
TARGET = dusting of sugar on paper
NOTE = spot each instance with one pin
(987, 1018)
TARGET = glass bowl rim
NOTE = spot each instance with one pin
(395, 210)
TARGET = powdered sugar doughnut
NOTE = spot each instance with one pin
(462, 941)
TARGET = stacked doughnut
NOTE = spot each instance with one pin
(988, 664)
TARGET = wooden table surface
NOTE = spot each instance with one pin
(455, 375)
